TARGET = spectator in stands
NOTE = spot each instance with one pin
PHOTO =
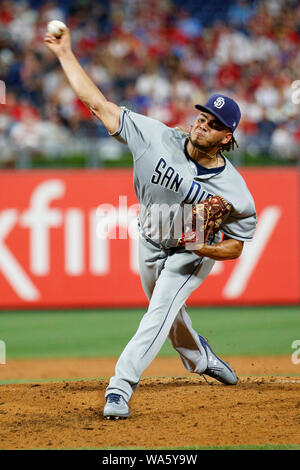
(154, 57)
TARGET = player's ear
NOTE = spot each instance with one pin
(227, 138)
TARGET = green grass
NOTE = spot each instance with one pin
(95, 333)
(243, 447)
(83, 160)
(134, 449)
(199, 448)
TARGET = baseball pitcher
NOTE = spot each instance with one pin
(173, 170)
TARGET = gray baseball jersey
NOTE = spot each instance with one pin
(165, 178)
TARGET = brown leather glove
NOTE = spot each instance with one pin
(207, 217)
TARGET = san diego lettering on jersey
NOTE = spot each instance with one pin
(196, 193)
(168, 178)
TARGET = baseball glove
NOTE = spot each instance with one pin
(206, 218)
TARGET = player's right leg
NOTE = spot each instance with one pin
(182, 337)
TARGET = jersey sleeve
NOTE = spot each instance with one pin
(240, 226)
(137, 131)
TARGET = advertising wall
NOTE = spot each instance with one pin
(51, 254)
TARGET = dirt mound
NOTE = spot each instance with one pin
(104, 367)
(165, 412)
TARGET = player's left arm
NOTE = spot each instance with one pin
(229, 248)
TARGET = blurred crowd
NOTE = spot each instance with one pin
(156, 57)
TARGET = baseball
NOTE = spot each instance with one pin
(56, 27)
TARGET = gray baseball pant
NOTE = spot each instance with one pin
(168, 279)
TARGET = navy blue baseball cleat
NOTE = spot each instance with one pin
(116, 407)
(217, 368)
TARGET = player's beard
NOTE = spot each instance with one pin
(206, 148)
